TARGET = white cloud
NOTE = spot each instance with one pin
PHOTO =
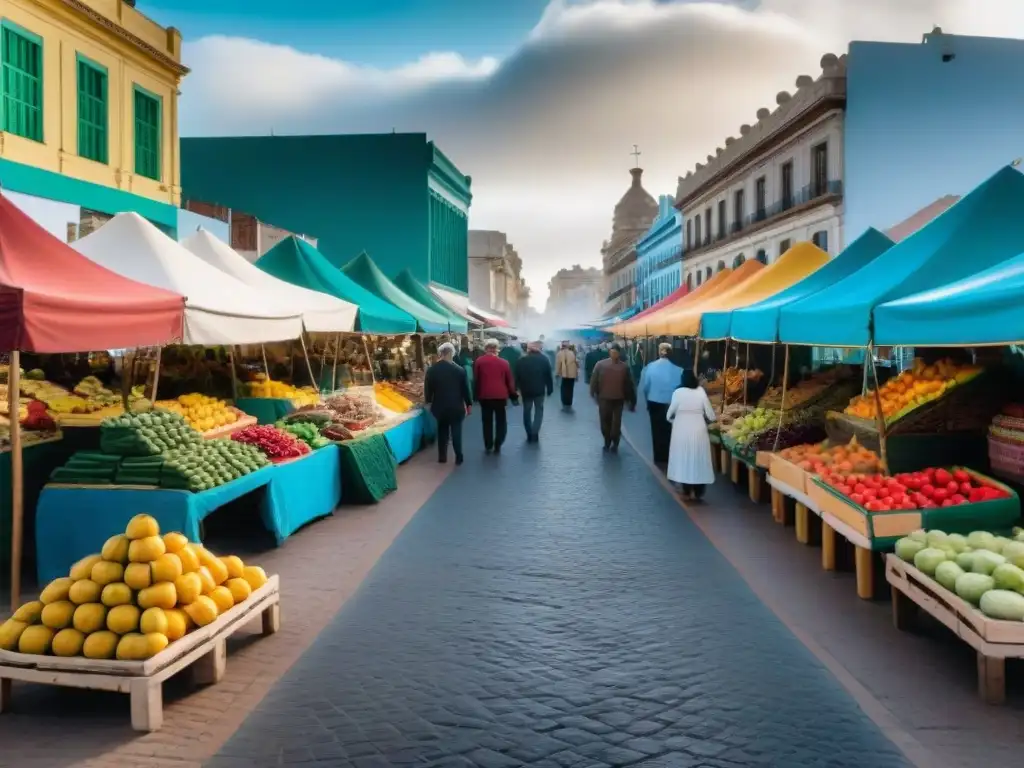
(546, 133)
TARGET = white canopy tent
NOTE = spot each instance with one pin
(219, 309)
(320, 313)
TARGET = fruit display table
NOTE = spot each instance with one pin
(406, 437)
(73, 522)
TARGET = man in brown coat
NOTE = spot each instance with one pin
(612, 385)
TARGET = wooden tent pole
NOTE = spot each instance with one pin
(334, 369)
(782, 405)
(17, 480)
(309, 366)
(266, 366)
(746, 368)
(882, 437)
(234, 378)
(156, 373)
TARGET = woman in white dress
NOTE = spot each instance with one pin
(689, 454)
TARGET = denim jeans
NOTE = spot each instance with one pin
(533, 415)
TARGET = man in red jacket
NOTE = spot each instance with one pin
(492, 388)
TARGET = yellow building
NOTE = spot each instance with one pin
(89, 108)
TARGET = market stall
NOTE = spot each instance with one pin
(297, 262)
(634, 327)
(56, 301)
(219, 309)
(364, 272)
(682, 319)
(321, 312)
(408, 284)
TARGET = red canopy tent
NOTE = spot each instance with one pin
(53, 299)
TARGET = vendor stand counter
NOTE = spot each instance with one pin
(73, 522)
(406, 437)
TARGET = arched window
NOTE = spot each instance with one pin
(738, 261)
(699, 275)
(708, 274)
(689, 281)
(762, 256)
(721, 266)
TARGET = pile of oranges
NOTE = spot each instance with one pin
(913, 388)
(851, 458)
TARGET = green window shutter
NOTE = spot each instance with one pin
(21, 82)
(147, 134)
(92, 111)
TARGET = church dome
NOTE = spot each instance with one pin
(637, 209)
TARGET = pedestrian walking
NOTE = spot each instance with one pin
(689, 461)
(658, 382)
(567, 369)
(535, 381)
(493, 388)
(446, 391)
(612, 385)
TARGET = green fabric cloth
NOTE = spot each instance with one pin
(368, 470)
(417, 290)
(297, 262)
(38, 461)
(363, 271)
(267, 410)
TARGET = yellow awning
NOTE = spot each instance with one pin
(667, 321)
(637, 326)
(794, 265)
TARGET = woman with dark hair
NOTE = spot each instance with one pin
(689, 454)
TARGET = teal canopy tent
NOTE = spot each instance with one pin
(759, 323)
(418, 291)
(982, 309)
(983, 229)
(367, 274)
(297, 262)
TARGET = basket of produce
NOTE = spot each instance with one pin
(796, 464)
(882, 509)
(355, 410)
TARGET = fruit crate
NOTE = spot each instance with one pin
(993, 640)
(203, 649)
(879, 531)
(789, 473)
(244, 420)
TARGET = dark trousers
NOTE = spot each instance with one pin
(568, 389)
(449, 428)
(611, 420)
(495, 423)
(661, 431)
(697, 491)
(533, 415)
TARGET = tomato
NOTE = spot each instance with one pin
(953, 486)
(857, 498)
(961, 476)
(942, 477)
(874, 506)
(940, 495)
(956, 498)
(928, 490)
(888, 500)
(859, 488)
(947, 503)
(870, 493)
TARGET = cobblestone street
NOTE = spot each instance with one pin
(554, 606)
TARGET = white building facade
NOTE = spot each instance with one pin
(496, 284)
(780, 182)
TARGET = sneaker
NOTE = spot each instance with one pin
(458, 460)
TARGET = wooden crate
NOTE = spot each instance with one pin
(788, 473)
(992, 639)
(204, 649)
(244, 420)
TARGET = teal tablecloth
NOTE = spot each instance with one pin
(72, 523)
(267, 410)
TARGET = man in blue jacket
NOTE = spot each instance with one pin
(535, 381)
(657, 383)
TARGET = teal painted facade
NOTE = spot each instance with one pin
(659, 253)
(395, 196)
(37, 182)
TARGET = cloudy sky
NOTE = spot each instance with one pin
(540, 101)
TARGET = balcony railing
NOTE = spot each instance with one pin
(806, 195)
(619, 292)
(668, 261)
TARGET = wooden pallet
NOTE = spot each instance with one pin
(204, 650)
(994, 641)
